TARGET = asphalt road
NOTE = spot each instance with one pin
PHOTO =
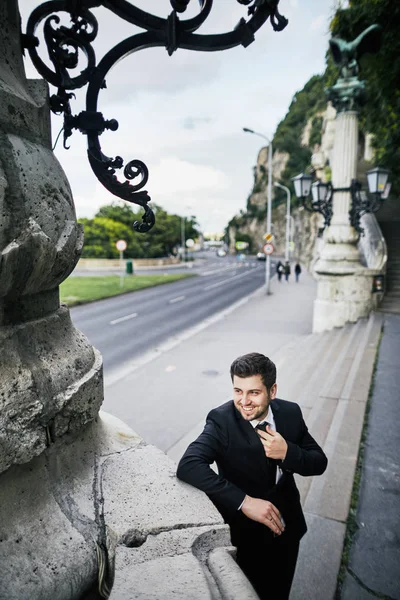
(126, 326)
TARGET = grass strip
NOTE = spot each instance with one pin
(81, 290)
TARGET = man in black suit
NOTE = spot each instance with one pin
(255, 489)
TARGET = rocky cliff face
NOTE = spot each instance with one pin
(305, 226)
(312, 153)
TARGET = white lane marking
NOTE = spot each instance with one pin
(126, 318)
(177, 299)
(225, 281)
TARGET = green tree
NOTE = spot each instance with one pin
(166, 233)
(114, 221)
(101, 235)
(123, 213)
(381, 113)
(304, 106)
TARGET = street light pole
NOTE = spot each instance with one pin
(269, 204)
(287, 190)
(291, 230)
(183, 235)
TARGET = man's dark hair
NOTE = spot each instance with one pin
(255, 364)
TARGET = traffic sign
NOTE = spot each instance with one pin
(189, 243)
(121, 245)
(268, 248)
(268, 237)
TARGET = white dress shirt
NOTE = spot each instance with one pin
(271, 421)
(269, 418)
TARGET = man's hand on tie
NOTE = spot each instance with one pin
(263, 512)
(275, 445)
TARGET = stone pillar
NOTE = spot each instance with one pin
(79, 491)
(340, 237)
(51, 377)
(344, 169)
(344, 285)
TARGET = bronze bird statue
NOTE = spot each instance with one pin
(347, 54)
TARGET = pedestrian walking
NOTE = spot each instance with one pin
(287, 270)
(258, 442)
(279, 270)
(297, 271)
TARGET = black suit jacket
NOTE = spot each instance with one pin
(235, 446)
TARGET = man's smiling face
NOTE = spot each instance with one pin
(251, 397)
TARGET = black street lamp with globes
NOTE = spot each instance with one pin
(361, 202)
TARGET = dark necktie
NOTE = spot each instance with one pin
(263, 425)
(271, 463)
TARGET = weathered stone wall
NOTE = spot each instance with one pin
(79, 491)
(51, 377)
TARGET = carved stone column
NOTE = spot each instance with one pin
(51, 377)
(340, 253)
(344, 284)
(79, 491)
(344, 291)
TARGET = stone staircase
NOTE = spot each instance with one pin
(391, 233)
(329, 375)
(388, 218)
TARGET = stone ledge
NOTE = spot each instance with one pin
(105, 490)
(230, 579)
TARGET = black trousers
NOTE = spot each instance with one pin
(270, 568)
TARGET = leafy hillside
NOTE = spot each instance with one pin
(381, 113)
(306, 105)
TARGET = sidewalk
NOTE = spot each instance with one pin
(187, 376)
(328, 374)
(373, 570)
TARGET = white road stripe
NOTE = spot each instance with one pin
(126, 318)
(225, 281)
(177, 299)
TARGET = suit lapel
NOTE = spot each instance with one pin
(278, 418)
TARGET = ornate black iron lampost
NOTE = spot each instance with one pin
(65, 43)
(361, 203)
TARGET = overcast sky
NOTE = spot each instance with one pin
(183, 115)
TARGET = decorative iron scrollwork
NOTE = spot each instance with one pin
(361, 204)
(324, 207)
(64, 45)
